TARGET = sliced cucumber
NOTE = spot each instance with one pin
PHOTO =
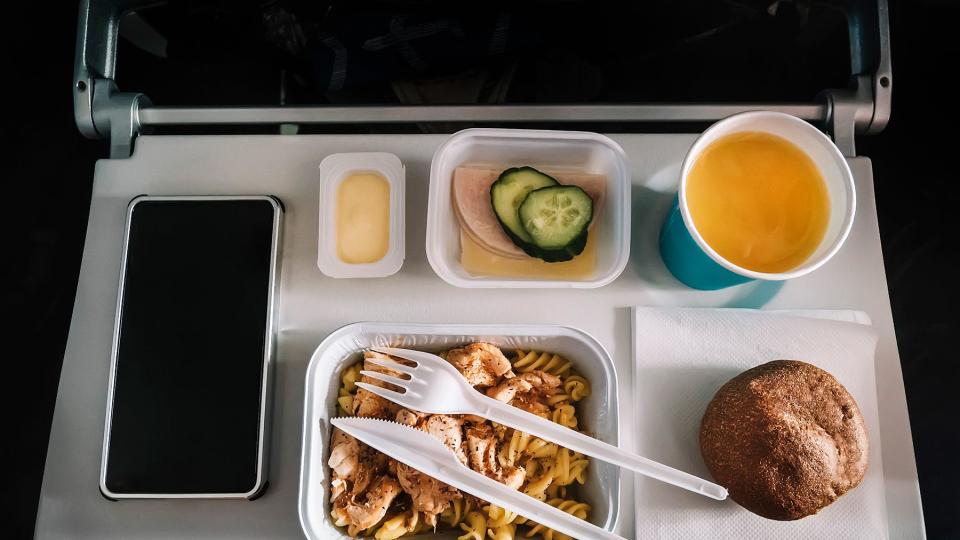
(556, 219)
(506, 195)
(572, 249)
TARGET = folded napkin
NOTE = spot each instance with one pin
(681, 358)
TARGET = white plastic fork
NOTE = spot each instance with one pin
(437, 387)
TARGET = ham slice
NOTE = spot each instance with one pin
(471, 204)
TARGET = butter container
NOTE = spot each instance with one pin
(599, 414)
(333, 171)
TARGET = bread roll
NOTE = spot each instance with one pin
(785, 438)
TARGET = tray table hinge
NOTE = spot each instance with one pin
(116, 116)
(849, 112)
(864, 108)
(100, 110)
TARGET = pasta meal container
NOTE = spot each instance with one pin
(552, 152)
(599, 413)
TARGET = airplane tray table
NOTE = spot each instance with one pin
(312, 306)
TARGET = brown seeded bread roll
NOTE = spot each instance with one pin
(785, 438)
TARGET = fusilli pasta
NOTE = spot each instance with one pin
(574, 508)
(498, 517)
(503, 532)
(569, 467)
(398, 526)
(549, 362)
(565, 415)
(457, 511)
(576, 387)
(474, 527)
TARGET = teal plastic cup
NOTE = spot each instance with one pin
(688, 256)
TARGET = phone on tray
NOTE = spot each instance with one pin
(189, 391)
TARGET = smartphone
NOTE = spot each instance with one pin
(189, 390)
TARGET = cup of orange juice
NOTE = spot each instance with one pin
(763, 195)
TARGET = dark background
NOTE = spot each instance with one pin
(223, 52)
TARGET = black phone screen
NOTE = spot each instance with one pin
(191, 348)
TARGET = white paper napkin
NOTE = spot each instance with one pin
(681, 358)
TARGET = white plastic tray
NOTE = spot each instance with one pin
(599, 415)
(312, 306)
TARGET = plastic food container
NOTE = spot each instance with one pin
(558, 151)
(599, 413)
(333, 170)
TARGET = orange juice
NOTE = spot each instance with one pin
(759, 201)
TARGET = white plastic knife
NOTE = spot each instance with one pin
(428, 455)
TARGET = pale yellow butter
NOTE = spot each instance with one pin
(363, 218)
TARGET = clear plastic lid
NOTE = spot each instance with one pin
(570, 151)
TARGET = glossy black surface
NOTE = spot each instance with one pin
(523, 51)
(190, 356)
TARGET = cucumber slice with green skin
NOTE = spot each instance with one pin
(506, 195)
(556, 219)
(572, 249)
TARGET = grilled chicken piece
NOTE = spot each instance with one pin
(367, 509)
(538, 408)
(500, 431)
(543, 383)
(337, 487)
(528, 391)
(372, 464)
(429, 495)
(446, 429)
(409, 418)
(513, 476)
(369, 404)
(449, 431)
(482, 364)
(482, 448)
(371, 489)
(343, 456)
(509, 388)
